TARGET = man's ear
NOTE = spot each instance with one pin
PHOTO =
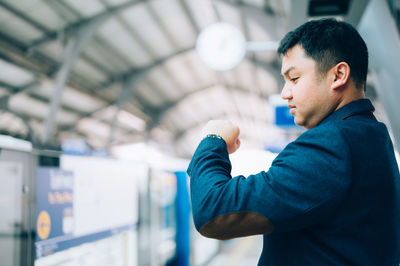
(341, 74)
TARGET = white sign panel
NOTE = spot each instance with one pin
(105, 193)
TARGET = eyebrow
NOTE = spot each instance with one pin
(288, 70)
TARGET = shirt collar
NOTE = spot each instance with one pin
(352, 108)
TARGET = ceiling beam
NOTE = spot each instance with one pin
(23, 17)
(134, 71)
(273, 25)
(132, 32)
(169, 38)
(73, 28)
(189, 15)
(68, 13)
(72, 51)
(17, 53)
(127, 90)
(272, 69)
(158, 114)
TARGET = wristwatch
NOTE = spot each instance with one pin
(214, 136)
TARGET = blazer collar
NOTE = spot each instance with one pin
(350, 109)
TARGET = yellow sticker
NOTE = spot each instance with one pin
(43, 225)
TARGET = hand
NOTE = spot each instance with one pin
(227, 130)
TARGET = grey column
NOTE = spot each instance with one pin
(379, 30)
(127, 91)
(73, 48)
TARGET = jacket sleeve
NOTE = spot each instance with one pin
(304, 184)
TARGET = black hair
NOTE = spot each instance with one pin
(328, 42)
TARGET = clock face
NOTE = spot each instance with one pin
(221, 46)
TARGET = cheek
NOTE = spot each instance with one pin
(300, 93)
(306, 89)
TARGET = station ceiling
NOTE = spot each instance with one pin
(119, 71)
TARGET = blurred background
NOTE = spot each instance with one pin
(102, 103)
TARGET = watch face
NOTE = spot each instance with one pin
(221, 46)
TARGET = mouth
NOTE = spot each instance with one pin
(292, 108)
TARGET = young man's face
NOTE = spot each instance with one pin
(307, 91)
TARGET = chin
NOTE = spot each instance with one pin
(298, 123)
(303, 124)
(310, 126)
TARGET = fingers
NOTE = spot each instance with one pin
(227, 130)
(237, 143)
(234, 147)
(238, 131)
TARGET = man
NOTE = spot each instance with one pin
(331, 197)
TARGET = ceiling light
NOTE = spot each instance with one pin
(221, 46)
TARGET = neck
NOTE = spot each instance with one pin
(349, 95)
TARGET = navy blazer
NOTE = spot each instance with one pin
(330, 197)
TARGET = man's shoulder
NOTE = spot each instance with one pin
(321, 141)
(350, 133)
(346, 127)
(326, 132)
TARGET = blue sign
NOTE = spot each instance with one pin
(283, 117)
(54, 211)
(75, 147)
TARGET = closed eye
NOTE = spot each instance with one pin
(294, 79)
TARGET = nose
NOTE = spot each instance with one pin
(286, 93)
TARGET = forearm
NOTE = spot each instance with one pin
(209, 170)
(219, 202)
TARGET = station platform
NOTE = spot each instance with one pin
(243, 251)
